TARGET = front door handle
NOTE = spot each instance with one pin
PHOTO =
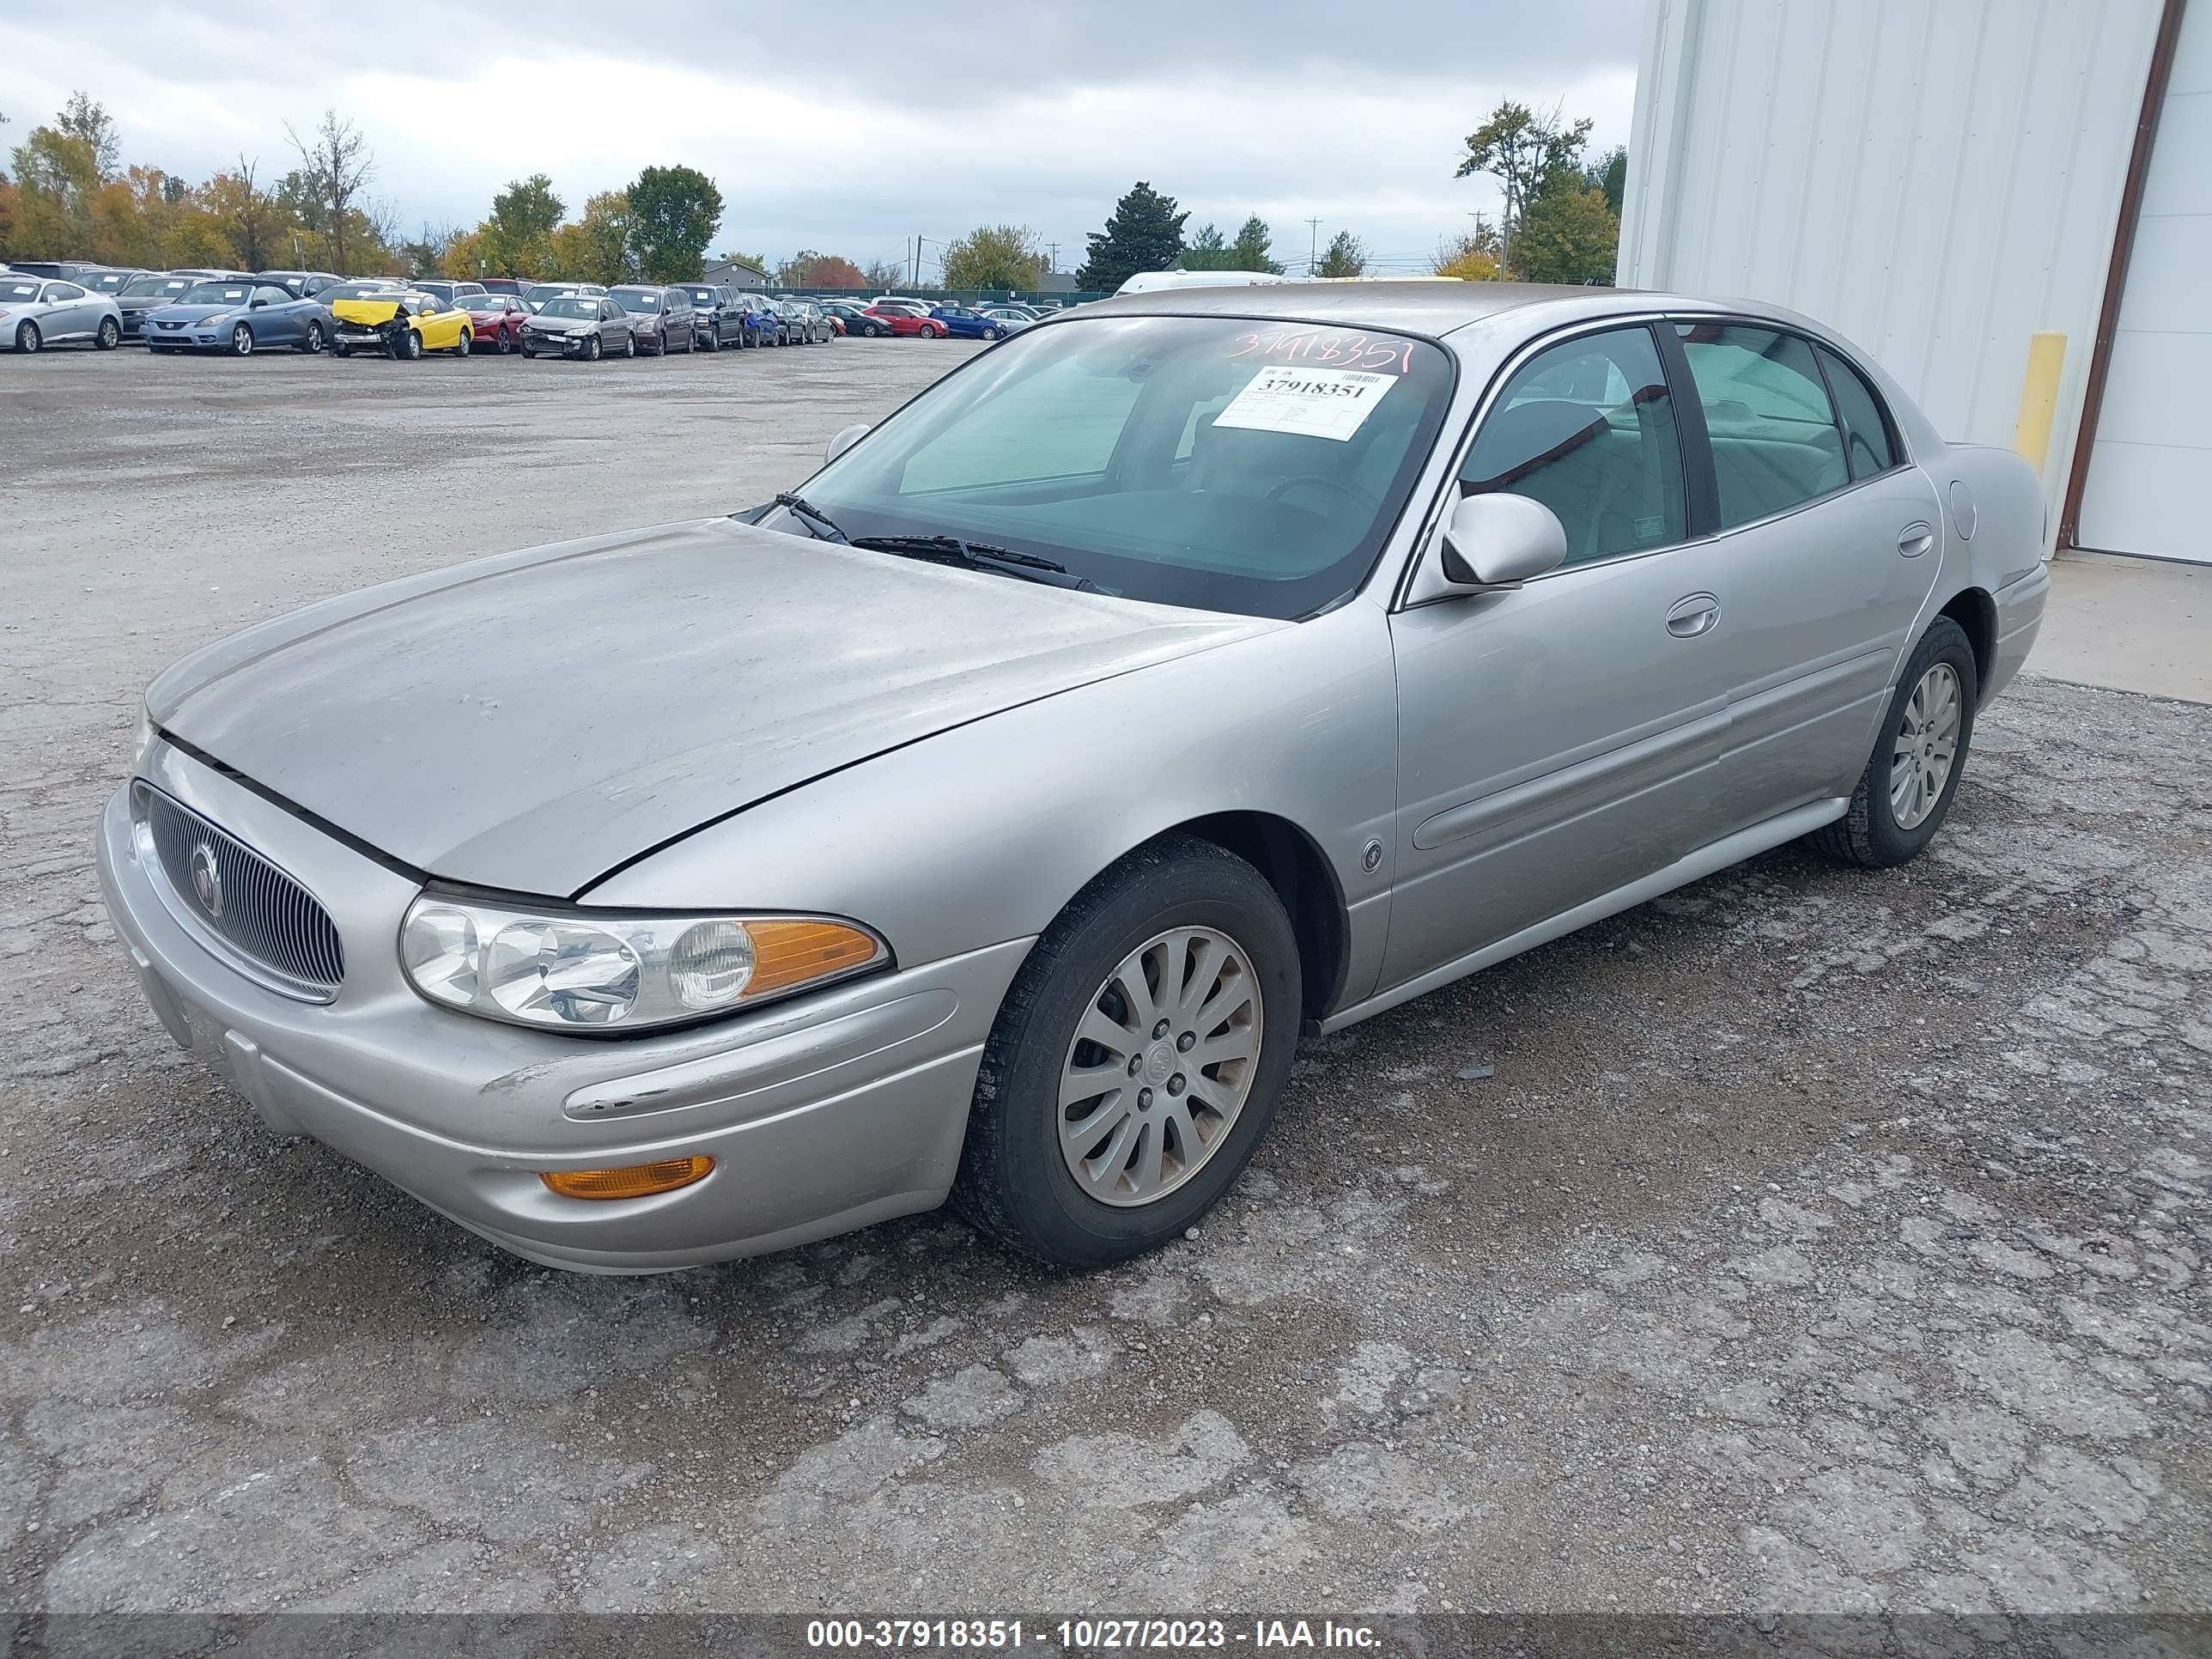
(1695, 615)
(1915, 538)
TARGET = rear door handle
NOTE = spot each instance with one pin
(1693, 616)
(1915, 538)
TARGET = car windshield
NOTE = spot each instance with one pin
(571, 305)
(217, 293)
(156, 285)
(1205, 461)
(540, 295)
(107, 282)
(356, 291)
(629, 302)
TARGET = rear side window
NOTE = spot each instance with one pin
(1587, 427)
(1775, 439)
(1867, 445)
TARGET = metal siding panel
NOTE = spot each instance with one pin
(2192, 55)
(2185, 129)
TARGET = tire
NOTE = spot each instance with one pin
(594, 349)
(1016, 1183)
(312, 342)
(927, 330)
(464, 343)
(340, 349)
(507, 342)
(1940, 683)
(110, 334)
(990, 334)
(714, 340)
(241, 341)
(28, 337)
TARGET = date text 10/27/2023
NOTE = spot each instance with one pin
(1086, 1635)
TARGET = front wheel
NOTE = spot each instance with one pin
(341, 349)
(1905, 791)
(528, 350)
(464, 343)
(241, 341)
(990, 333)
(593, 349)
(1137, 1059)
(28, 337)
(927, 330)
(312, 342)
(109, 335)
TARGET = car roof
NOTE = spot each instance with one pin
(1416, 307)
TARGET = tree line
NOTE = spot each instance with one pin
(67, 194)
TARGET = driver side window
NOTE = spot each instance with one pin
(1587, 427)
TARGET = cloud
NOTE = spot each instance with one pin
(888, 122)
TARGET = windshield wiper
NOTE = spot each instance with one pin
(813, 517)
(978, 556)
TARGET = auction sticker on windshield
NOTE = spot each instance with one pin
(1310, 403)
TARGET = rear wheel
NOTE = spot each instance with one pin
(1137, 1059)
(109, 335)
(1905, 791)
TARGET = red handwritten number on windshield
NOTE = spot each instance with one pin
(1328, 347)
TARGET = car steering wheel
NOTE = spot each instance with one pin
(1316, 480)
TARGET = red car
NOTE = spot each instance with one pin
(900, 321)
(497, 320)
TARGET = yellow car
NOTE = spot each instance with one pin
(398, 321)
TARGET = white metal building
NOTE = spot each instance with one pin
(1942, 180)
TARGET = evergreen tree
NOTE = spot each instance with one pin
(1250, 251)
(1144, 233)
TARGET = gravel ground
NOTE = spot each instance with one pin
(1816, 1239)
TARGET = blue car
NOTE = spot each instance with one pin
(238, 317)
(964, 322)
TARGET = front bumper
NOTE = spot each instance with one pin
(561, 345)
(821, 1115)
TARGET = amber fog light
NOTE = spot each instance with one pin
(632, 1181)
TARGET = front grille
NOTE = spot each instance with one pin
(244, 900)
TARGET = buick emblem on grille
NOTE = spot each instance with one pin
(207, 881)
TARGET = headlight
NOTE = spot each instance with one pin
(581, 328)
(593, 970)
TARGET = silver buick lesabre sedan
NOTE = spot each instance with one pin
(988, 819)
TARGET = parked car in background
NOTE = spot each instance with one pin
(155, 288)
(239, 318)
(964, 322)
(809, 325)
(302, 284)
(36, 313)
(450, 292)
(497, 320)
(716, 316)
(110, 280)
(1011, 319)
(904, 320)
(586, 325)
(65, 270)
(518, 286)
(856, 319)
(538, 294)
(763, 322)
(402, 323)
(660, 318)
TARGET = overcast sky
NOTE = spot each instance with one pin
(850, 136)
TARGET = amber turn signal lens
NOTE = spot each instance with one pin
(787, 953)
(632, 1181)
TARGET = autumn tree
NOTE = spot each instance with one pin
(1345, 256)
(597, 247)
(1144, 233)
(81, 118)
(336, 165)
(517, 238)
(1610, 174)
(673, 214)
(1471, 257)
(255, 222)
(56, 176)
(1521, 148)
(995, 257)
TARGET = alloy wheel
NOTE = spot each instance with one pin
(241, 341)
(1161, 1065)
(1926, 746)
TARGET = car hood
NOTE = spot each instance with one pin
(533, 720)
(367, 312)
(190, 314)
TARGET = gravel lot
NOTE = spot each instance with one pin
(1819, 1239)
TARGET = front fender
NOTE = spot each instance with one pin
(983, 833)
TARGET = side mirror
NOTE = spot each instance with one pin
(1495, 541)
(844, 441)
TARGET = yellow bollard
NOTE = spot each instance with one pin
(2038, 398)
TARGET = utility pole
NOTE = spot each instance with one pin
(1313, 246)
(1055, 265)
